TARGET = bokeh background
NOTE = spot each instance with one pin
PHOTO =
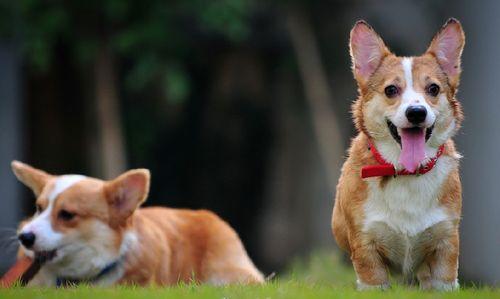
(238, 106)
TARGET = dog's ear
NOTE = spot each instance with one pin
(126, 193)
(367, 51)
(447, 46)
(33, 178)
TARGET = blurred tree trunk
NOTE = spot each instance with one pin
(317, 93)
(306, 159)
(111, 159)
(479, 89)
(12, 135)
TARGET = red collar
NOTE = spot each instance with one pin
(386, 169)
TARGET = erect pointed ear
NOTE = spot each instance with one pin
(33, 178)
(126, 193)
(367, 51)
(447, 46)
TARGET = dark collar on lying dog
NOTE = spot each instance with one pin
(385, 168)
(108, 269)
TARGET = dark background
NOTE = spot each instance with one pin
(238, 106)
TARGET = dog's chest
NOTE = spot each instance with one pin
(398, 212)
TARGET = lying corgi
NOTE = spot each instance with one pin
(398, 200)
(93, 231)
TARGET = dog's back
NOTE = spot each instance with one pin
(179, 245)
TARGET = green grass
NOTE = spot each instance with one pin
(321, 276)
(279, 289)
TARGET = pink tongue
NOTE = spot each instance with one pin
(413, 148)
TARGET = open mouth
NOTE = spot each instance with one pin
(394, 131)
(45, 256)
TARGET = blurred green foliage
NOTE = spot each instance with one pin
(155, 36)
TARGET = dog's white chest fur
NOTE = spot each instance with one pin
(408, 204)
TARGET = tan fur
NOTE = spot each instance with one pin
(197, 246)
(374, 250)
(170, 245)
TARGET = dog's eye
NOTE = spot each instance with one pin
(433, 89)
(391, 91)
(65, 215)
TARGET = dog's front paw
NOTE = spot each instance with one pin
(361, 286)
(440, 285)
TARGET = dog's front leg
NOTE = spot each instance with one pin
(369, 267)
(440, 269)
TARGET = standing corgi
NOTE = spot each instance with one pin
(398, 199)
(93, 231)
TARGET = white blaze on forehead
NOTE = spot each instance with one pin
(407, 66)
(62, 183)
(410, 96)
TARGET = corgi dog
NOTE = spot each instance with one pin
(93, 231)
(398, 200)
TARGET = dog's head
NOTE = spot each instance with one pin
(81, 223)
(407, 105)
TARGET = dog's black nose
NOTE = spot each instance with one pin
(416, 114)
(27, 239)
